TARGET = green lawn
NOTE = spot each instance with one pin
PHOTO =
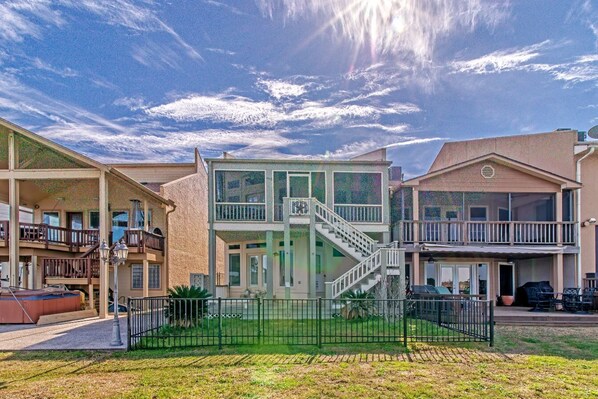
(527, 362)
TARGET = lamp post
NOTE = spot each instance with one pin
(117, 257)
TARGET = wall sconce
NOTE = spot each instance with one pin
(589, 222)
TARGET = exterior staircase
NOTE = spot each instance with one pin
(373, 260)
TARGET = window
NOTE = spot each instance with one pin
(358, 188)
(432, 213)
(94, 220)
(228, 187)
(234, 270)
(254, 265)
(51, 218)
(120, 223)
(137, 277)
(141, 218)
(282, 268)
(478, 213)
(318, 186)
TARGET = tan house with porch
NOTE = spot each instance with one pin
(62, 204)
(493, 214)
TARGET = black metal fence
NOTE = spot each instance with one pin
(163, 322)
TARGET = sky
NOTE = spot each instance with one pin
(148, 81)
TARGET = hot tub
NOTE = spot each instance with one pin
(35, 303)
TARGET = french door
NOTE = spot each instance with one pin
(457, 279)
(257, 271)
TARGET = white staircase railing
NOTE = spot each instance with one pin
(362, 270)
(345, 230)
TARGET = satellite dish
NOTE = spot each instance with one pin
(593, 132)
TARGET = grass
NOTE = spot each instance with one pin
(527, 362)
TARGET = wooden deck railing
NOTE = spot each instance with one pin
(590, 282)
(360, 213)
(46, 234)
(71, 268)
(240, 212)
(143, 240)
(488, 232)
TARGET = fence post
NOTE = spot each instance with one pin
(259, 318)
(128, 323)
(491, 323)
(404, 322)
(319, 329)
(219, 323)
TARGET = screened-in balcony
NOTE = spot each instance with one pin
(485, 218)
(240, 196)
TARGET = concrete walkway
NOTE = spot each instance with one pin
(93, 333)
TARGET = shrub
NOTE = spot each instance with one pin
(357, 304)
(188, 305)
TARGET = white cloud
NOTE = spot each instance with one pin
(21, 18)
(397, 27)
(583, 68)
(62, 72)
(500, 61)
(281, 89)
(220, 51)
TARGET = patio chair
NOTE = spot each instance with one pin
(571, 302)
(587, 300)
(540, 301)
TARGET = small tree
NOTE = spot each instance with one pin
(357, 304)
(188, 305)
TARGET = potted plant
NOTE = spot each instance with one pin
(507, 300)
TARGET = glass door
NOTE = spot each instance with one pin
(299, 185)
(458, 279)
(74, 222)
(257, 272)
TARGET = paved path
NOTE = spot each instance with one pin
(93, 333)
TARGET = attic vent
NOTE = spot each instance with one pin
(487, 172)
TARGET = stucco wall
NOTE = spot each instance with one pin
(188, 229)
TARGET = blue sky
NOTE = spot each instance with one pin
(126, 80)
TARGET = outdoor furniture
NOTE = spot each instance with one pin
(587, 300)
(539, 299)
(571, 300)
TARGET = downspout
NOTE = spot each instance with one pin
(166, 244)
(578, 206)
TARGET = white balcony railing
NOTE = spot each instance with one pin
(240, 212)
(360, 213)
(488, 232)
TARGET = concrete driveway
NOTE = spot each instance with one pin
(92, 333)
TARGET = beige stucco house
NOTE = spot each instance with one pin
(62, 204)
(493, 214)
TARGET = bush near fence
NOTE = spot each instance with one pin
(163, 322)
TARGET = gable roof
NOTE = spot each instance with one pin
(83, 159)
(501, 160)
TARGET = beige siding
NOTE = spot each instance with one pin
(470, 179)
(157, 173)
(549, 151)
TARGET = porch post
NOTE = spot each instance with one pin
(402, 270)
(415, 214)
(415, 279)
(559, 218)
(557, 272)
(14, 232)
(92, 299)
(145, 278)
(145, 216)
(312, 251)
(287, 249)
(33, 273)
(270, 264)
(104, 236)
(383, 273)
(211, 232)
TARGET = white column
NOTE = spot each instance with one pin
(312, 251)
(145, 216)
(13, 202)
(270, 264)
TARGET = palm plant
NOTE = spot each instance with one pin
(357, 304)
(188, 305)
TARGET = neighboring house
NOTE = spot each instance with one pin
(70, 203)
(299, 228)
(493, 214)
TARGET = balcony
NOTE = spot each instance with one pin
(487, 233)
(74, 268)
(360, 213)
(143, 240)
(50, 235)
(240, 212)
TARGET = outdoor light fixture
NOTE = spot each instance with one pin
(117, 258)
(589, 222)
(431, 259)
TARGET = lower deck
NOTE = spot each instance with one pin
(523, 316)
